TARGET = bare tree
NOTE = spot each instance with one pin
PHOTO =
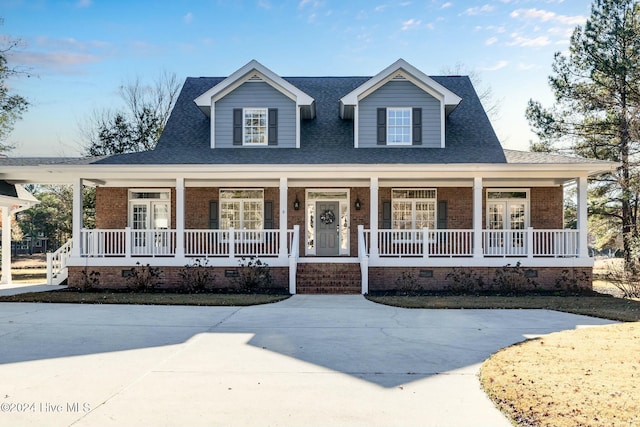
(138, 125)
(490, 103)
(11, 106)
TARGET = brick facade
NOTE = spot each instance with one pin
(114, 277)
(345, 278)
(546, 208)
(438, 279)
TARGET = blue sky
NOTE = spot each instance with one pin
(80, 51)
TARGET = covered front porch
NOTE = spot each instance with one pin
(365, 236)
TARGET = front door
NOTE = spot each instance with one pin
(507, 223)
(328, 228)
(147, 218)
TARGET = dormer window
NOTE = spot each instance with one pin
(399, 126)
(254, 131)
(254, 127)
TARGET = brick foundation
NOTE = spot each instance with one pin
(439, 278)
(112, 277)
(327, 278)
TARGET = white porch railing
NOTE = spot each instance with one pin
(460, 243)
(197, 243)
(294, 253)
(57, 264)
(424, 243)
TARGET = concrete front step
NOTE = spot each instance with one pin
(328, 278)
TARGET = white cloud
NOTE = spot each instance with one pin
(84, 3)
(527, 67)
(264, 4)
(410, 24)
(478, 10)
(446, 5)
(188, 18)
(313, 3)
(57, 62)
(546, 16)
(497, 66)
(362, 15)
(517, 40)
(490, 41)
(380, 8)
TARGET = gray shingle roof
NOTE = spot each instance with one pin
(526, 157)
(324, 140)
(40, 161)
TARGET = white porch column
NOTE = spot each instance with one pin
(477, 217)
(6, 246)
(76, 227)
(180, 206)
(373, 217)
(284, 188)
(583, 249)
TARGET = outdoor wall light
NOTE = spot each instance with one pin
(296, 203)
(358, 204)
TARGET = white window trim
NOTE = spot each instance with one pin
(526, 200)
(242, 200)
(389, 109)
(266, 126)
(344, 203)
(131, 201)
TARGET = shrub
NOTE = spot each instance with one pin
(572, 281)
(90, 280)
(196, 276)
(512, 280)
(253, 274)
(408, 284)
(144, 277)
(624, 280)
(464, 281)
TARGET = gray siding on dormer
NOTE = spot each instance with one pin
(399, 94)
(255, 95)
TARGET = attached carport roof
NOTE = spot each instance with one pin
(15, 196)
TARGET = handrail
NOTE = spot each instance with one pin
(57, 264)
(363, 257)
(294, 253)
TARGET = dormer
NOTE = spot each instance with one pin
(399, 107)
(254, 107)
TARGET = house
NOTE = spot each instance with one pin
(339, 184)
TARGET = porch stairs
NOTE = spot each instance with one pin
(328, 278)
(57, 264)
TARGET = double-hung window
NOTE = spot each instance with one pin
(254, 130)
(242, 209)
(399, 126)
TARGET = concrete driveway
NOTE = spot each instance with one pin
(306, 361)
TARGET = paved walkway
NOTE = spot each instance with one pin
(306, 361)
(23, 288)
